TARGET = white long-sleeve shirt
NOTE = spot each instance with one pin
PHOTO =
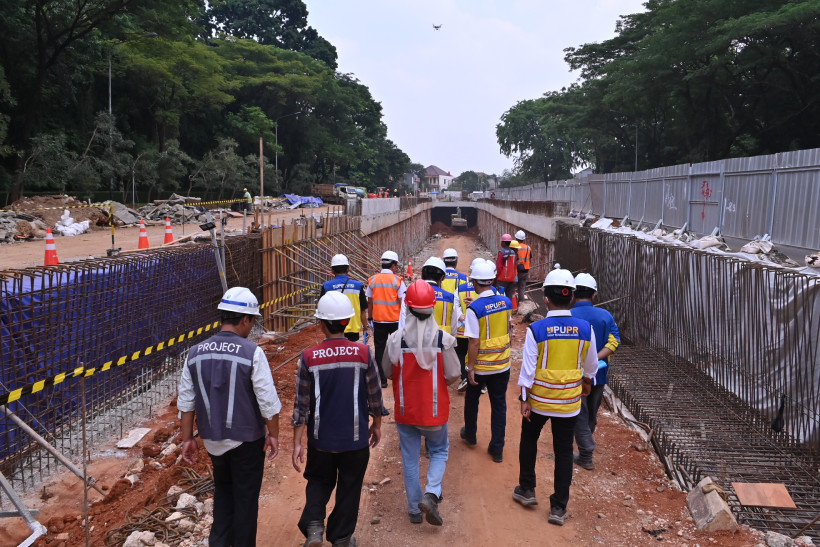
(263, 389)
(530, 361)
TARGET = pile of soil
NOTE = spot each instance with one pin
(50, 208)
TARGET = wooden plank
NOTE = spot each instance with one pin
(763, 494)
(134, 436)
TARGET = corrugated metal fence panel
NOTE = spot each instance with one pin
(704, 210)
(675, 201)
(654, 201)
(637, 196)
(797, 210)
(746, 204)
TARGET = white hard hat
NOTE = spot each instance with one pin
(476, 260)
(334, 306)
(586, 280)
(449, 253)
(239, 300)
(390, 255)
(339, 260)
(436, 262)
(520, 235)
(559, 278)
(483, 271)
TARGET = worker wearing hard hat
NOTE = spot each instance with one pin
(607, 339)
(487, 326)
(337, 389)
(248, 199)
(385, 291)
(447, 312)
(421, 356)
(558, 364)
(458, 284)
(228, 375)
(524, 264)
(352, 289)
(506, 267)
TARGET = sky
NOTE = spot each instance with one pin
(443, 92)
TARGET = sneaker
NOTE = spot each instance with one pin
(384, 384)
(416, 518)
(429, 506)
(525, 497)
(463, 434)
(588, 465)
(462, 387)
(484, 389)
(385, 412)
(557, 516)
(498, 457)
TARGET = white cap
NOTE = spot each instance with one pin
(449, 253)
(483, 271)
(436, 262)
(559, 278)
(239, 300)
(586, 280)
(520, 235)
(334, 306)
(339, 260)
(390, 256)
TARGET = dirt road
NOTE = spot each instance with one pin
(625, 501)
(95, 242)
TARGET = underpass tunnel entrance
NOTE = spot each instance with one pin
(444, 215)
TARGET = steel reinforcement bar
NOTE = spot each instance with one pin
(719, 346)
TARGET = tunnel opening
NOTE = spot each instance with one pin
(444, 215)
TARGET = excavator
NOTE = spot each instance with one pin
(457, 221)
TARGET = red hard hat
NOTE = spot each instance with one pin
(420, 295)
(506, 237)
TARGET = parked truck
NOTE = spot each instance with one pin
(334, 193)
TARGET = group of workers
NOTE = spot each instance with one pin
(447, 326)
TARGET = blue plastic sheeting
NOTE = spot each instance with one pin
(293, 199)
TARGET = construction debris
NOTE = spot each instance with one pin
(180, 209)
(16, 226)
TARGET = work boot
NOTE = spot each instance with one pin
(525, 497)
(429, 506)
(349, 541)
(586, 464)
(463, 434)
(315, 531)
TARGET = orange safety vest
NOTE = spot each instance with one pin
(524, 255)
(386, 302)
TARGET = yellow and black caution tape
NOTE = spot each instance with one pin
(40, 385)
(16, 394)
(95, 205)
(289, 295)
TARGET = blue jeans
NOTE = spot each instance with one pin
(587, 422)
(439, 445)
(497, 391)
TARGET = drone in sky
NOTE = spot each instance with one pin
(437, 27)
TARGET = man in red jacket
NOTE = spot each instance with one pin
(424, 361)
(506, 267)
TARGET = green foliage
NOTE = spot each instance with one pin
(194, 86)
(698, 80)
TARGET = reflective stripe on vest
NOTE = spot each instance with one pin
(493, 333)
(443, 310)
(524, 255)
(421, 395)
(386, 301)
(562, 344)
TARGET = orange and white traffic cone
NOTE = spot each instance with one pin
(51, 250)
(409, 268)
(169, 234)
(143, 236)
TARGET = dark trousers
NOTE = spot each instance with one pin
(325, 471)
(352, 336)
(462, 345)
(587, 422)
(523, 276)
(508, 286)
(237, 482)
(380, 333)
(562, 432)
(497, 391)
